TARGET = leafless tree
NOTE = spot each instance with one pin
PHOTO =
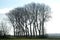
(18, 18)
(37, 14)
(4, 28)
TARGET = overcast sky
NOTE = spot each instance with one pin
(53, 26)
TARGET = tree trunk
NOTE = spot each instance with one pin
(43, 27)
(14, 32)
(43, 22)
(36, 22)
(36, 28)
(26, 29)
(30, 30)
(40, 29)
(33, 29)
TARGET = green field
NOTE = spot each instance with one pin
(31, 39)
(28, 38)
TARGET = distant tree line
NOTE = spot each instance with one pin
(30, 19)
(3, 29)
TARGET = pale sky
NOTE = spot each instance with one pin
(52, 26)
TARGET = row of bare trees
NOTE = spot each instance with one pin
(3, 29)
(30, 19)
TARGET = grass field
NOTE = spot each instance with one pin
(32, 39)
(28, 38)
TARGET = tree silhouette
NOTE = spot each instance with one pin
(36, 14)
(38, 10)
(4, 28)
